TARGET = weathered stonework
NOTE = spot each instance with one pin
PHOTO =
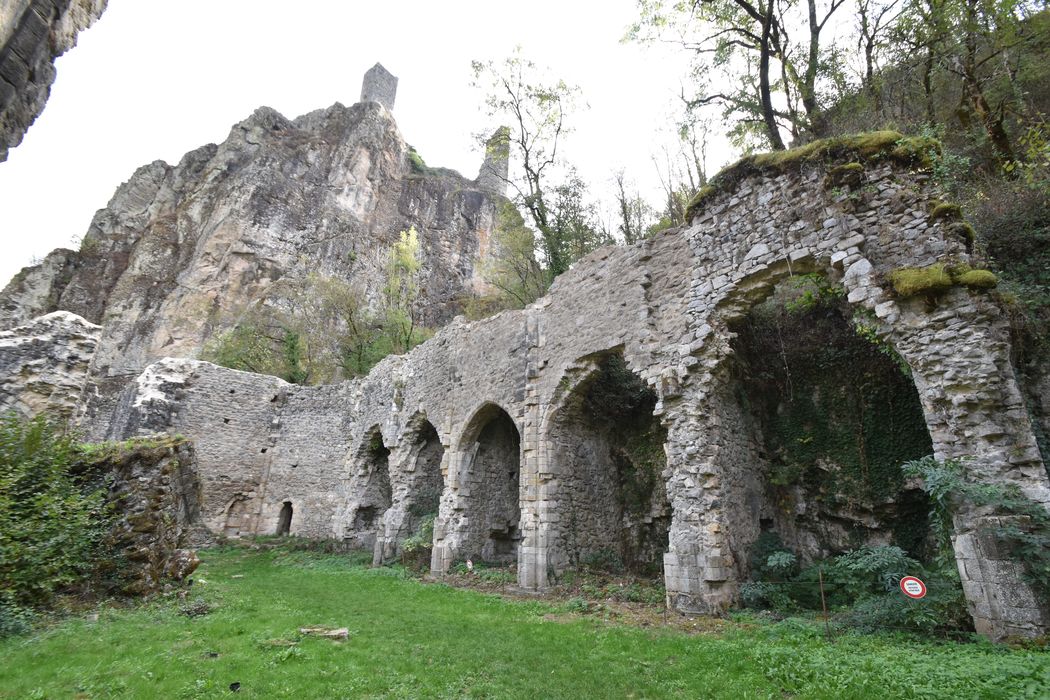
(44, 364)
(379, 85)
(667, 306)
(33, 33)
(153, 486)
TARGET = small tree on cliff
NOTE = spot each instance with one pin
(544, 186)
(401, 293)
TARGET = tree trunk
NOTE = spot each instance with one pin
(768, 114)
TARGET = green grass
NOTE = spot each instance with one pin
(409, 639)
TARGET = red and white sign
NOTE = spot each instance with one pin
(913, 587)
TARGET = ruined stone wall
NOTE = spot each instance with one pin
(33, 33)
(667, 305)
(153, 486)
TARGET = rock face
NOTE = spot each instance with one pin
(44, 364)
(33, 33)
(180, 249)
(512, 401)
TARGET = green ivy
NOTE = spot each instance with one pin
(52, 520)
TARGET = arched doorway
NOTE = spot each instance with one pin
(491, 478)
(816, 417)
(606, 449)
(371, 487)
(284, 520)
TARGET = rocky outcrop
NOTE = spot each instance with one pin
(181, 250)
(33, 33)
(44, 364)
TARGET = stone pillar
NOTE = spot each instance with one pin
(379, 85)
(699, 572)
(960, 358)
(495, 169)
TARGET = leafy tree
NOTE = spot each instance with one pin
(401, 293)
(766, 82)
(543, 186)
(635, 214)
(510, 268)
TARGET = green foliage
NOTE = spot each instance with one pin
(836, 413)
(1024, 529)
(545, 187)
(861, 586)
(51, 524)
(401, 292)
(416, 162)
(510, 268)
(416, 547)
(815, 290)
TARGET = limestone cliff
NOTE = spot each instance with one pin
(33, 33)
(44, 364)
(179, 247)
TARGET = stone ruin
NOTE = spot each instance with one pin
(512, 414)
(379, 85)
(612, 417)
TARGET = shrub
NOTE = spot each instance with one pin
(51, 522)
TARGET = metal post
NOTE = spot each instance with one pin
(823, 603)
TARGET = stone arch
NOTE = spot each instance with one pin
(487, 521)
(605, 500)
(238, 518)
(370, 491)
(419, 484)
(284, 519)
(957, 350)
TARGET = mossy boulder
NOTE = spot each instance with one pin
(978, 279)
(846, 151)
(933, 279)
(912, 281)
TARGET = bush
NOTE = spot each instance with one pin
(51, 523)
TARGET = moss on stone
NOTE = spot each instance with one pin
(848, 174)
(859, 148)
(978, 279)
(912, 281)
(944, 210)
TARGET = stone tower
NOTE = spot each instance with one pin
(379, 86)
(496, 167)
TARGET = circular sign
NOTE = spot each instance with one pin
(913, 587)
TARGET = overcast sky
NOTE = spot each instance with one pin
(153, 80)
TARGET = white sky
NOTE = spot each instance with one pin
(155, 79)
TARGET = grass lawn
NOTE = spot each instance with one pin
(409, 639)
